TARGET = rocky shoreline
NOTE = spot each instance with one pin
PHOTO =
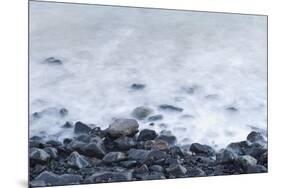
(122, 152)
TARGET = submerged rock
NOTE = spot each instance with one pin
(141, 112)
(147, 134)
(136, 86)
(67, 125)
(53, 61)
(123, 127)
(203, 150)
(170, 108)
(155, 117)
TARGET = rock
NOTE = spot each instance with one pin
(256, 169)
(84, 138)
(263, 159)
(167, 107)
(195, 172)
(38, 155)
(239, 147)
(136, 86)
(54, 143)
(155, 176)
(53, 152)
(123, 127)
(143, 169)
(67, 125)
(76, 145)
(156, 168)
(112, 157)
(203, 150)
(63, 112)
(168, 137)
(226, 156)
(255, 137)
(171, 160)
(231, 109)
(36, 143)
(105, 177)
(155, 157)
(141, 112)
(138, 154)
(246, 161)
(37, 183)
(176, 151)
(155, 117)
(176, 170)
(161, 145)
(53, 61)
(125, 143)
(128, 164)
(147, 134)
(81, 128)
(77, 161)
(255, 150)
(51, 179)
(94, 149)
(66, 141)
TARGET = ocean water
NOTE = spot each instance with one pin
(212, 65)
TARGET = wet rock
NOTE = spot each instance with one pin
(263, 159)
(232, 109)
(77, 161)
(52, 61)
(155, 157)
(125, 143)
(66, 141)
(81, 128)
(63, 112)
(168, 137)
(155, 117)
(147, 134)
(171, 108)
(94, 149)
(195, 172)
(239, 147)
(256, 169)
(203, 150)
(161, 145)
(76, 145)
(155, 176)
(51, 179)
(137, 86)
(226, 156)
(84, 138)
(128, 164)
(143, 169)
(36, 143)
(246, 161)
(256, 150)
(176, 151)
(171, 160)
(38, 155)
(67, 125)
(138, 154)
(255, 137)
(37, 183)
(141, 112)
(53, 152)
(156, 168)
(112, 157)
(123, 127)
(54, 143)
(105, 177)
(176, 170)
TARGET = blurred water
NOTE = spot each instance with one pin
(201, 62)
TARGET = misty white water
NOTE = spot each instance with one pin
(104, 50)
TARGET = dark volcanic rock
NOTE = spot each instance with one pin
(136, 86)
(53, 61)
(123, 127)
(38, 155)
(255, 137)
(176, 170)
(147, 134)
(155, 117)
(203, 150)
(112, 157)
(67, 125)
(125, 143)
(51, 179)
(141, 112)
(226, 156)
(104, 177)
(81, 128)
(170, 108)
(77, 161)
(168, 137)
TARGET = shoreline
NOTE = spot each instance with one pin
(122, 153)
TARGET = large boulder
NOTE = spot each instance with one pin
(141, 112)
(123, 127)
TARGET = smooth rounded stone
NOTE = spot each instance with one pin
(94, 149)
(256, 169)
(155, 117)
(50, 178)
(239, 147)
(128, 164)
(112, 157)
(123, 127)
(255, 137)
(226, 156)
(203, 150)
(77, 161)
(246, 161)
(176, 170)
(81, 128)
(53, 61)
(156, 168)
(147, 134)
(256, 150)
(53, 152)
(154, 176)
(141, 112)
(54, 143)
(39, 155)
(143, 169)
(138, 154)
(176, 151)
(195, 172)
(137, 86)
(168, 137)
(171, 108)
(67, 125)
(105, 177)
(125, 143)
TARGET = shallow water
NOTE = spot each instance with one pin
(212, 65)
